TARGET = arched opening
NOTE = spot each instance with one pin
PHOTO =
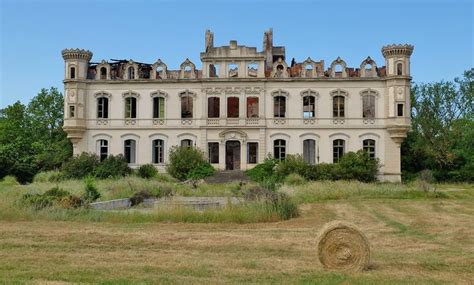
(103, 73)
(399, 68)
(160, 72)
(308, 70)
(188, 71)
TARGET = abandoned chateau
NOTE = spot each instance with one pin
(242, 105)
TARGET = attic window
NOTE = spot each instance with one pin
(103, 73)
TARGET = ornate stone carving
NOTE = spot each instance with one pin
(182, 67)
(155, 66)
(343, 65)
(280, 69)
(372, 72)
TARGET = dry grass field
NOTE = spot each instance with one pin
(413, 241)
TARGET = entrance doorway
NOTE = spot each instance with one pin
(232, 155)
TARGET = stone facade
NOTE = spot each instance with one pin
(242, 105)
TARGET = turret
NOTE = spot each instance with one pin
(76, 63)
(397, 59)
(76, 67)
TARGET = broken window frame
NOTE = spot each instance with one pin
(131, 72)
(279, 149)
(368, 145)
(158, 151)
(102, 107)
(233, 107)
(213, 70)
(252, 69)
(130, 151)
(186, 107)
(309, 101)
(338, 149)
(213, 107)
(232, 70)
(252, 153)
(213, 152)
(252, 107)
(368, 106)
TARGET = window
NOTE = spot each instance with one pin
(338, 147)
(338, 106)
(279, 149)
(102, 107)
(309, 106)
(213, 148)
(399, 68)
(232, 107)
(72, 111)
(308, 70)
(213, 70)
(279, 106)
(103, 73)
(131, 73)
(72, 72)
(130, 150)
(252, 107)
(252, 70)
(130, 107)
(186, 107)
(368, 145)
(368, 106)
(158, 107)
(233, 70)
(252, 153)
(103, 149)
(186, 143)
(213, 107)
(160, 72)
(309, 151)
(400, 108)
(158, 151)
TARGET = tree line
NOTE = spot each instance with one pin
(441, 138)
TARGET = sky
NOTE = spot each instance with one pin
(33, 33)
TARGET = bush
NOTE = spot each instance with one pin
(47, 199)
(9, 180)
(147, 171)
(113, 166)
(80, 166)
(264, 170)
(284, 206)
(48, 176)
(23, 172)
(138, 197)
(291, 164)
(294, 179)
(188, 163)
(90, 190)
(358, 166)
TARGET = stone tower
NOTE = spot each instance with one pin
(75, 68)
(397, 62)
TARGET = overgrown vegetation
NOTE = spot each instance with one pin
(294, 170)
(88, 164)
(188, 163)
(147, 171)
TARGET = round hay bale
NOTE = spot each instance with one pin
(342, 246)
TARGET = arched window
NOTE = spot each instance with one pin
(338, 149)
(131, 72)
(72, 72)
(279, 106)
(186, 106)
(158, 107)
(130, 107)
(158, 151)
(309, 151)
(130, 149)
(186, 143)
(213, 107)
(338, 106)
(279, 149)
(368, 145)
(399, 68)
(308, 69)
(368, 106)
(103, 107)
(103, 73)
(103, 149)
(232, 107)
(309, 106)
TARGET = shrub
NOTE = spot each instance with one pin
(138, 197)
(112, 166)
(264, 170)
(47, 199)
(24, 172)
(188, 163)
(284, 206)
(358, 166)
(80, 166)
(48, 176)
(9, 180)
(71, 201)
(147, 171)
(90, 190)
(291, 164)
(294, 179)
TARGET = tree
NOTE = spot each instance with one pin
(442, 118)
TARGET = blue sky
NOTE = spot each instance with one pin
(34, 32)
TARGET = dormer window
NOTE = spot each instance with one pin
(103, 73)
(131, 72)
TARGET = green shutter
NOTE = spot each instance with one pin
(162, 107)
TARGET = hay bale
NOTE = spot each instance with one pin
(342, 246)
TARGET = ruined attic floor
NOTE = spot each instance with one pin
(419, 242)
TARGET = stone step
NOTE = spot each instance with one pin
(227, 176)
